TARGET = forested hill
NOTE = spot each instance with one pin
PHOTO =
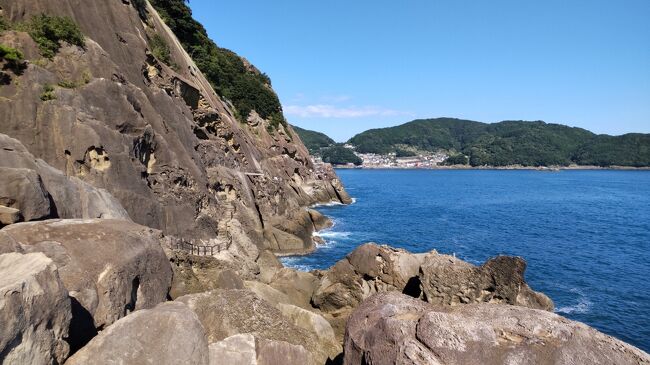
(324, 147)
(508, 143)
(314, 141)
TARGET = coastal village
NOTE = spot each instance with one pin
(379, 161)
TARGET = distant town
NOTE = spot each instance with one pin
(372, 160)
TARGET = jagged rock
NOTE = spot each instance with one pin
(9, 216)
(245, 349)
(267, 292)
(170, 333)
(109, 267)
(367, 270)
(34, 310)
(225, 313)
(314, 323)
(391, 328)
(38, 190)
(319, 220)
(157, 138)
(196, 274)
(269, 266)
(450, 281)
(23, 189)
(299, 286)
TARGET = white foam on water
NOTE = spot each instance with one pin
(290, 262)
(583, 305)
(333, 235)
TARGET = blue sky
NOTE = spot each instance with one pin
(342, 67)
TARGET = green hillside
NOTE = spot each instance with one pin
(323, 146)
(508, 143)
(313, 140)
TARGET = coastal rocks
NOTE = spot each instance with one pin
(40, 191)
(299, 286)
(313, 323)
(450, 281)
(110, 267)
(225, 313)
(34, 310)
(391, 328)
(9, 216)
(319, 220)
(245, 349)
(23, 190)
(156, 138)
(196, 274)
(369, 269)
(170, 333)
(269, 266)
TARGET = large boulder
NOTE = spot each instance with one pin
(450, 281)
(23, 189)
(39, 191)
(34, 310)
(245, 349)
(109, 267)
(391, 328)
(170, 333)
(226, 313)
(299, 286)
(369, 269)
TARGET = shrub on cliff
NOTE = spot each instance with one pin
(12, 56)
(50, 32)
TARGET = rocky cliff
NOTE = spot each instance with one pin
(157, 138)
(140, 213)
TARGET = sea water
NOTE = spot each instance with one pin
(584, 234)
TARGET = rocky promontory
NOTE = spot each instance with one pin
(141, 215)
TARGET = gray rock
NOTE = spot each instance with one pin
(369, 269)
(9, 216)
(109, 267)
(450, 281)
(226, 313)
(38, 190)
(245, 349)
(170, 333)
(34, 310)
(391, 328)
(299, 286)
(23, 189)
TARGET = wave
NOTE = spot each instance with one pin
(290, 262)
(583, 305)
(328, 204)
(333, 235)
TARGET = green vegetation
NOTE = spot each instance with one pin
(339, 155)
(48, 93)
(13, 57)
(509, 143)
(246, 87)
(458, 159)
(49, 33)
(4, 25)
(314, 141)
(160, 49)
(323, 146)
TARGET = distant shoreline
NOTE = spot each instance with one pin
(465, 167)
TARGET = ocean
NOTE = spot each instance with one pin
(584, 234)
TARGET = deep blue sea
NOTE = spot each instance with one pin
(584, 234)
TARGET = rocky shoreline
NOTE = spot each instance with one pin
(141, 219)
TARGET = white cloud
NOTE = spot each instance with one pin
(331, 111)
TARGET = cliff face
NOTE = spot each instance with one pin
(160, 140)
